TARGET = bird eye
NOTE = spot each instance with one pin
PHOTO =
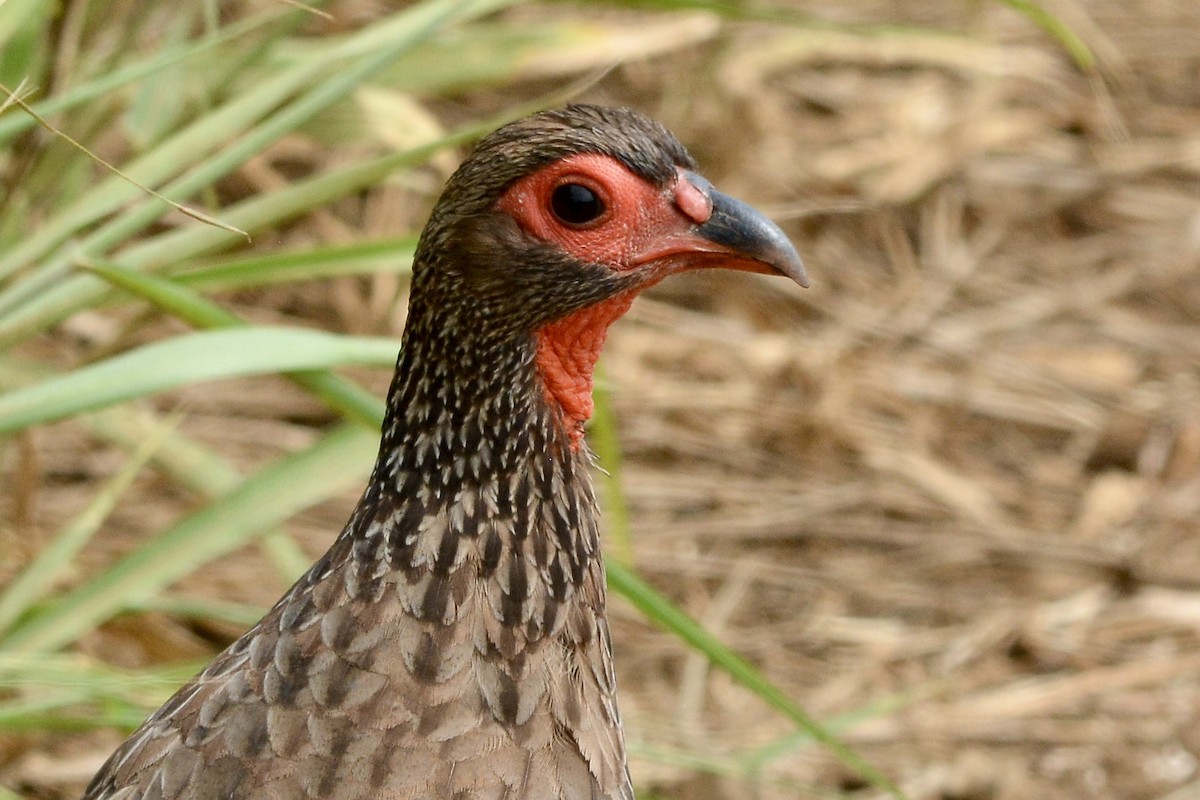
(576, 204)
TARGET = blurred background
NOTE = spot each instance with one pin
(947, 499)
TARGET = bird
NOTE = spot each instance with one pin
(452, 642)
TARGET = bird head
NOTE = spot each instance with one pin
(557, 221)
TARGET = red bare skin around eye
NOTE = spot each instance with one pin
(642, 228)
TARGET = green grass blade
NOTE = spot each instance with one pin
(188, 146)
(497, 53)
(348, 398)
(288, 557)
(300, 197)
(13, 124)
(31, 584)
(342, 395)
(189, 464)
(758, 757)
(68, 691)
(53, 670)
(405, 30)
(185, 360)
(19, 24)
(260, 211)
(188, 608)
(56, 302)
(1071, 42)
(194, 467)
(362, 258)
(121, 716)
(337, 462)
(26, 713)
(169, 296)
(666, 614)
(422, 19)
(1035, 12)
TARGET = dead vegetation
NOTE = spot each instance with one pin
(949, 498)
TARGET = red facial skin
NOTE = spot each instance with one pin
(643, 228)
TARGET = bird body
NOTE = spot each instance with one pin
(452, 642)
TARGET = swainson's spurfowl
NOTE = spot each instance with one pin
(452, 643)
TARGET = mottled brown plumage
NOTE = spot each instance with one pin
(452, 642)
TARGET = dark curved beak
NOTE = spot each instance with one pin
(745, 232)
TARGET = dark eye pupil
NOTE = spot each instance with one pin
(575, 204)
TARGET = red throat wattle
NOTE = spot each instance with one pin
(637, 216)
(641, 227)
(567, 351)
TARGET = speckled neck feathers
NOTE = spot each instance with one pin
(451, 643)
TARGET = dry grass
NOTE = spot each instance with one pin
(960, 477)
